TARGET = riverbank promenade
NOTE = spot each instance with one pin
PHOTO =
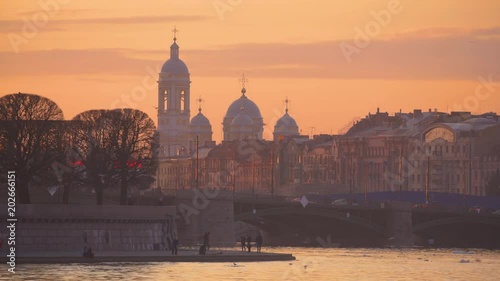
(184, 255)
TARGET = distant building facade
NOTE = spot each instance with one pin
(417, 151)
(421, 151)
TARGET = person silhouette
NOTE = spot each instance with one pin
(203, 250)
(206, 240)
(258, 241)
(249, 243)
(175, 244)
(242, 241)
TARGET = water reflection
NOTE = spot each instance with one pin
(311, 264)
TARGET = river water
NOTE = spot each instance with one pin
(311, 264)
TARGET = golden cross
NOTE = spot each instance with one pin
(175, 30)
(243, 80)
(199, 103)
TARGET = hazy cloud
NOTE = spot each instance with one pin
(100, 80)
(60, 25)
(72, 62)
(65, 12)
(437, 32)
(446, 55)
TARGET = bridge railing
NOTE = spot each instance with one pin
(262, 197)
(315, 200)
(353, 200)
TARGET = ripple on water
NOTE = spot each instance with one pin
(311, 264)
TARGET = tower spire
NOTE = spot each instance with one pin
(286, 105)
(199, 104)
(175, 30)
(243, 81)
(174, 48)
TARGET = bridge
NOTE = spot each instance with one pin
(287, 221)
(353, 220)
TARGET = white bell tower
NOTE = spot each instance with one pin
(173, 105)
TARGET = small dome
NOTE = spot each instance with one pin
(175, 66)
(286, 125)
(200, 120)
(286, 121)
(251, 109)
(242, 119)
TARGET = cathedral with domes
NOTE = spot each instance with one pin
(189, 158)
(180, 134)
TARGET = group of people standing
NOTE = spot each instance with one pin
(247, 242)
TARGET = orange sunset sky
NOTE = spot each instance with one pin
(94, 54)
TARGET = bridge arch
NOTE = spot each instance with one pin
(456, 220)
(316, 212)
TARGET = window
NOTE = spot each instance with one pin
(439, 133)
(182, 101)
(165, 100)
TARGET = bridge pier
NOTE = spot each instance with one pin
(400, 226)
(200, 211)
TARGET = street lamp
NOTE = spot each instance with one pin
(428, 179)
(197, 161)
(368, 179)
(272, 172)
(470, 161)
(351, 172)
(400, 171)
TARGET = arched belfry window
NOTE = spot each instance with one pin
(182, 100)
(165, 100)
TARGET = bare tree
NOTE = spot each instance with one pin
(93, 147)
(134, 143)
(68, 167)
(116, 146)
(27, 122)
